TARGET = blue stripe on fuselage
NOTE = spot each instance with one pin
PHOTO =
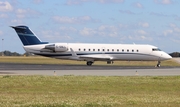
(51, 55)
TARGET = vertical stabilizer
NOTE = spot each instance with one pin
(27, 36)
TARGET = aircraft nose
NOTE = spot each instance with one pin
(166, 56)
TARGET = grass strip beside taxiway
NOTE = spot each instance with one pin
(89, 91)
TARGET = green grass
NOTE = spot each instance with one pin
(44, 60)
(89, 91)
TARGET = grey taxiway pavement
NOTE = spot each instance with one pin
(83, 70)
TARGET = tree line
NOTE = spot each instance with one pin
(9, 53)
(175, 54)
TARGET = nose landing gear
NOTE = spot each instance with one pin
(158, 64)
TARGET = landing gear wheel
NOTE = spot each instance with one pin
(158, 65)
(89, 63)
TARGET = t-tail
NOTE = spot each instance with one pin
(27, 36)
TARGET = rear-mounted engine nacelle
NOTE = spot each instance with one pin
(58, 47)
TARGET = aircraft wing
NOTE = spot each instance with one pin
(90, 57)
(95, 57)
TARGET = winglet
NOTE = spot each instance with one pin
(73, 53)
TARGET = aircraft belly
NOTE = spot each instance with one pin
(135, 57)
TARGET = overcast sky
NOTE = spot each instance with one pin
(155, 22)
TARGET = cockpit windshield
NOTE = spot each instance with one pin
(156, 49)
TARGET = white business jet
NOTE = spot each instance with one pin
(89, 52)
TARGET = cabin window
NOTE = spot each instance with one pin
(79, 49)
(84, 49)
(89, 49)
(113, 50)
(108, 50)
(98, 49)
(103, 50)
(117, 50)
(132, 50)
(127, 50)
(122, 50)
(137, 50)
(93, 49)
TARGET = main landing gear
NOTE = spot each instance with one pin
(89, 63)
(158, 64)
(110, 62)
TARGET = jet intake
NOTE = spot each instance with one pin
(50, 47)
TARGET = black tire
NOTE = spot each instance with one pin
(158, 65)
(89, 63)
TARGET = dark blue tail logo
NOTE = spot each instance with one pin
(26, 35)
